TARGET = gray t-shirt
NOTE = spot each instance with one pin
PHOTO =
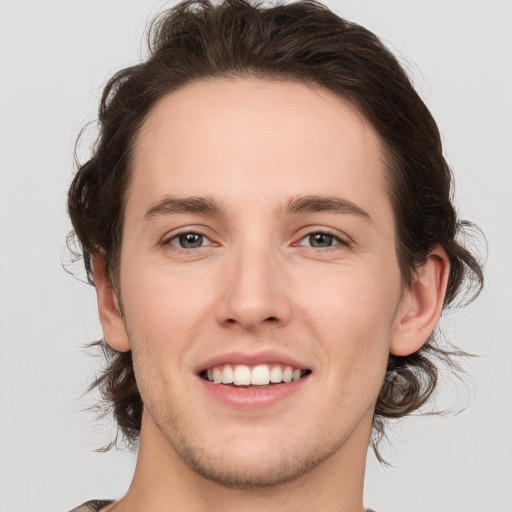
(97, 505)
(92, 506)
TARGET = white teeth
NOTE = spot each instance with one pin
(242, 375)
(259, 375)
(227, 374)
(217, 375)
(287, 374)
(276, 374)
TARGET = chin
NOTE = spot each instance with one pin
(249, 464)
(253, 473)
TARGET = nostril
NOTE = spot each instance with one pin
(250, 321)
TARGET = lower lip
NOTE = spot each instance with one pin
(253, 398)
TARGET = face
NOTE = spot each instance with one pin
(259, 246)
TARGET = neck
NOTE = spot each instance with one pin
(163, 482)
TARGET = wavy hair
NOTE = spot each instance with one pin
(302, 41)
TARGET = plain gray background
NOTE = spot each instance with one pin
(54, 58)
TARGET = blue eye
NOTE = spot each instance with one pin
(320, 240)
(188, 240)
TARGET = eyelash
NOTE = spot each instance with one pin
(339, 241)
(176, 237)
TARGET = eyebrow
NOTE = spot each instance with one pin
(312, 204)
(297, 204)
(169, 205)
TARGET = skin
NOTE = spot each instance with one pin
(257, 283)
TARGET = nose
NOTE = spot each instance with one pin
(254, 293)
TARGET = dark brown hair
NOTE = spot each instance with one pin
(306, 42)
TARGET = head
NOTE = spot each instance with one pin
(200, 54)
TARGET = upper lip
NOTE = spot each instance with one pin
(252, 359)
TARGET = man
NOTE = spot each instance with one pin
(267, 221)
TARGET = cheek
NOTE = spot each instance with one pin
(163, 298)
(350, 294)
(352, 312)
(162, 316)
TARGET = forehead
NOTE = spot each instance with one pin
(244, 139)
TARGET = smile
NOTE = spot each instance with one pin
(257, 375)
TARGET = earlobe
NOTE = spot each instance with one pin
(111, 318)
(421, 305)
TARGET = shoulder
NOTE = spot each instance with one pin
(92, 506)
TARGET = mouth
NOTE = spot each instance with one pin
(258, 376)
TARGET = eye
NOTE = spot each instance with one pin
(321, 240)
(188, 240)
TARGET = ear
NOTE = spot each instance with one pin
(111, 318)
(421, 305)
